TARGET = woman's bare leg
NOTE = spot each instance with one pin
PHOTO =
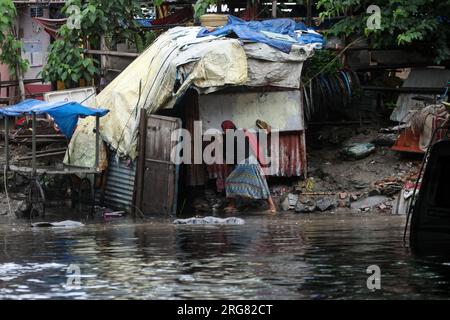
(272, 207)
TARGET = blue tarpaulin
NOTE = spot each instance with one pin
(65, 113)
(266, 32)
(20, 108)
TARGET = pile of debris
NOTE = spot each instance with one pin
(51, 144)
(351, 170)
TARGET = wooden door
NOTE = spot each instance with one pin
(159, 175)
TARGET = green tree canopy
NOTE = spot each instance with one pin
(87, 22)
(10, 47)
(421, 23)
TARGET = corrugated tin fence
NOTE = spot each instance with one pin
(119, 188)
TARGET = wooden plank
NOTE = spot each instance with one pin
(42, 155)
(113, 53)
(51, 170)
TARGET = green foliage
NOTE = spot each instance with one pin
(322, 62)
(403, 23)
(143, 40)
(113, 19)
(67, 63)
(10, 53)
(201, 6)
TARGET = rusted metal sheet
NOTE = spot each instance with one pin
(160, 174)
(291, 161)
(119, 188)
(292, 155)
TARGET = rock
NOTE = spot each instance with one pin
(326, 203)
(23, 206)
(353, 197)
(22, 209)
(374, 192)
(305, 207)
(385, 139)
(357, 150)
(359, 184)
(368, 202)
(285, 205)
(293, 199)
(305, 204)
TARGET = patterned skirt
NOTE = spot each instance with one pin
(247, 181)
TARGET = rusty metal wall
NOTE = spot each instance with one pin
(292, 158)
(292, 155)
(119, 188)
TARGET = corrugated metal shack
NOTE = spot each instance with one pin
(187, 76)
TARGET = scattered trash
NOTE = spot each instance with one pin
(385, 139)
(344, 203)
(368, 202)
(342, 195)
(357, 150)
(210, 220)
(112, 215)
(60, 224)
(392, 185)
(404, 199)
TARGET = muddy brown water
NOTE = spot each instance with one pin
(287, 256)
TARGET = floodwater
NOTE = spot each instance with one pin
(286, 256)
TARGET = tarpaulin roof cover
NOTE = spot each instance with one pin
(65, 113)
(19, 108)
(259, 31)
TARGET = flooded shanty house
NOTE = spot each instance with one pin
(191, 75)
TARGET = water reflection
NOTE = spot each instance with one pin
(287, 256)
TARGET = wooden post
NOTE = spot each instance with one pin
(140, 169)
(33, 144)
(21, 84)
(309, 13)
(274, 8)
(103, 61)
(97, 141)
(219, 6)
(6, 142)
